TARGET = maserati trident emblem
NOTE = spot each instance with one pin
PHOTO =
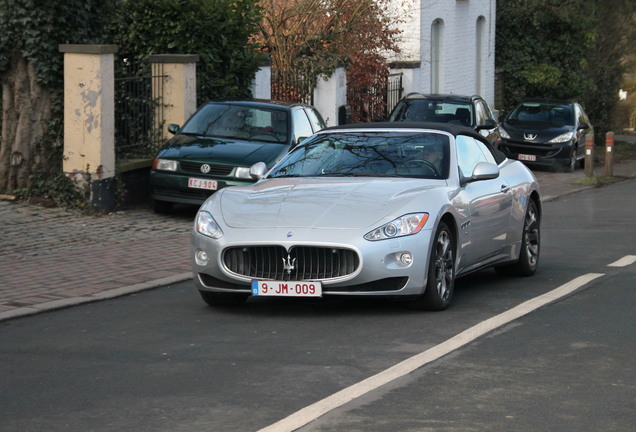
(289, 264)
(205, 168)
(530, 137)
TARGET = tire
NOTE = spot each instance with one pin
(440, 282)
(222, 299)
(162, 207)
(571, 164)
(530, 246)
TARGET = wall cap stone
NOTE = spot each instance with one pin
(173, 58)
(88, 49)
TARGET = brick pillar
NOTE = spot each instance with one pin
(89, 120)
(177, 90)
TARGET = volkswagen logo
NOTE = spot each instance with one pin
(530, 137)
(205, 168)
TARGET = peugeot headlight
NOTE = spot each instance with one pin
(403, 226)
(242, 173)
(207, 226)
(562, 138)
(165, 165)
(504, 134)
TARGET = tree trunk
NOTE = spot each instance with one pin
(26, 111)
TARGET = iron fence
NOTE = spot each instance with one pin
(370, 103)
(138, 109)
(292, 87)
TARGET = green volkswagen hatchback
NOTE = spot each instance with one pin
(217, 145)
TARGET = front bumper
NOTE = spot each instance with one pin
(379, 273)
(544, 154)
(173, 187)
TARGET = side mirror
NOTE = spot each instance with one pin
(488, 124)
(483, 171)
(173, 128)
(584, 126)
(258, 170)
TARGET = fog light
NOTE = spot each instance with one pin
(201, 258)
(406, 258)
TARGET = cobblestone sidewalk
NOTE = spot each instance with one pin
(50, 257)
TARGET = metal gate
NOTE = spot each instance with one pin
(292, 87)
(370, 103)
(138, 109)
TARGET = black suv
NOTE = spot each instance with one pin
(546, 132)
(470, 111)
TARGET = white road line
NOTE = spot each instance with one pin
(624, 262)
(312, 412)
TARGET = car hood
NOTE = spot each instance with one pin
(543, 131)
(221, 150)
(326, 203)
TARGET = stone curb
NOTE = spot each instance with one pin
(103, 295)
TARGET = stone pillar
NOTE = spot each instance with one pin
(330, 94)
(89, 120)
(177, 90)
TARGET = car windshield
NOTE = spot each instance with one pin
(535, 112)
(239, 122)
(369, 154)
(425, 110)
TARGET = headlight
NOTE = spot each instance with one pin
(562, 138)
(165, 165)
(206, 225)
(242, 173)
(403, 226)
(503, 133)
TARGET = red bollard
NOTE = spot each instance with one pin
(609, 159)
(589, 155)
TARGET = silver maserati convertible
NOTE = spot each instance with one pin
(385, 209)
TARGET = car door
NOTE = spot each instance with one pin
(485, 233)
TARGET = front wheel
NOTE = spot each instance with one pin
(440, 282)
(530, 246)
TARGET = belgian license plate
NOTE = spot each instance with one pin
(525, 157)
(287, 288)
(198, 183)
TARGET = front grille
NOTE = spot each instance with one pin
(215, 169)
(300, 263)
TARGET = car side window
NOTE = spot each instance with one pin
(482, 113)
(469, 153)
(302, 127)
(317, 123)
(582, 117)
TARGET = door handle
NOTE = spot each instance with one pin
(505, 188)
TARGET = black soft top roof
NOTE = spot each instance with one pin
(444, 127)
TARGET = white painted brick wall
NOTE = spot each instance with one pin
(459, 44)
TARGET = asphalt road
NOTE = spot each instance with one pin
(163, 361)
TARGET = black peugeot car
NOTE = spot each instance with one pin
(546, 132)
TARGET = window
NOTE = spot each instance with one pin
(479, 55)
(302, 127)
(469, 153)
(437, 33)
(317, 123)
